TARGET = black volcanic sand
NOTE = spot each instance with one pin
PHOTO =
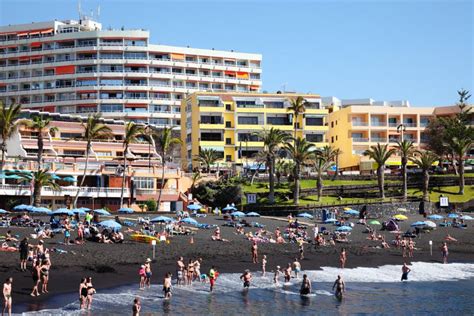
(112, 265)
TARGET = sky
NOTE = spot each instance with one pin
(416, 50)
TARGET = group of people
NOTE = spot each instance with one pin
(86, 292)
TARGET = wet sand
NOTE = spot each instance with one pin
(112, 265)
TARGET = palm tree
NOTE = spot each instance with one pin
(164, 141)
(337, 153)
(196, 177)
(300, 151)
(39, 124)
(424, 161)
(380, 154)
(8, 124)
(132, 133)
(321, 165)
(272, 139)
(406, 149)
(93, 129)
(40, 178)
(259, 158)
(460, 148)
(298, 107)
(207, 157)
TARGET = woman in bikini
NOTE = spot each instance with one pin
(190, 271)
(83, 293)
(343, 258)
(44, 272)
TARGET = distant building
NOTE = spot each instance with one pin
(227, 123)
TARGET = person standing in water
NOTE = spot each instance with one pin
(167, 286)
(444, 250)
(296, 267)
(343, 258)
(246, 277)
(212, 278)
(136, 307)
(148, 272)
(264, 264)
(83, 293)
(254, 252)
(405, 271)
(276, 276)
(7, 296)
(340, 287)
(305, 286)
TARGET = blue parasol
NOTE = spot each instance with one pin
(189, 220)
(253, 214)
(344, 229)
(101, 211)
(194, 207)
(305, 215)
(238, 214)
(110, 224)
(162, 219)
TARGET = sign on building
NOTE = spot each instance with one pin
(251, 198)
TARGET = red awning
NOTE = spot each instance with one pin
(35, 44)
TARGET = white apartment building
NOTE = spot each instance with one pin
(79, 67)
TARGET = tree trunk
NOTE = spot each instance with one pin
(296, 189)
(88, 148)
(319, 185)
(40, 149)
(404, 178)
(295, 119)
(124, 175)
(426, 183)
(36, 193)
(336, 173)
(4, 149)
(163, 165)
(271, 179)
(380, 177)
(461, 176)
(453, 163)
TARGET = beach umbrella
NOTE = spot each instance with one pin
(330, 220)
(430, 224)
(42, 210)
(85, 209)
(253, 214)
(401, 217)
(3, 211)
(78, 211)
(101, 211)
(69, 179)
(344, 229)
(351, 212)
(162, 219)
(374, 222)
(9, 176)
(418, 223)
(453, 215)
(110, 224)
(55, 176)
(435, 217)
(238, 214)
(402, 210)
(229, 208)
(467, 217)
(22, 207)
(189, 220)
(194, 207)
(126, 210)
(305, 215)
(62, 211)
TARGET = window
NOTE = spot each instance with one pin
(70, 135)
(314, 138)
(211, 119)
(248, 104)
(104, 153)
(248, 137)
(274, 104)
(278, 120)
(73, 153)
(111, 108)
(211, 103)
(211, 136)
(135, 55)
(144, 183)
(314, 121)
(248, 120)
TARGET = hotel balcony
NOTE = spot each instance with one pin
(360, 140)
(88, 192)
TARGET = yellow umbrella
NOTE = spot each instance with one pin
(400, 217)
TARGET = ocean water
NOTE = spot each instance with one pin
(433, 289)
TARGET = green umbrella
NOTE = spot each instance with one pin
(374, 222)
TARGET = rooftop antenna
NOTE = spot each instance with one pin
(79, 9)
(283, 86)
(98, 12)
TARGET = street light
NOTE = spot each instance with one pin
(401, 129)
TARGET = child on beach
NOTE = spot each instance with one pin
(264, 264)
(167, 286)
(136, 307)
(254, 252)
(276, 276)
(343, 258)
(142, 275)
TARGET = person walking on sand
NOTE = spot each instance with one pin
(444, 251)
(24, 248)
(254, 252)
(276, 275)
(340, 287)
(246, 277)
(83, 293)
(7, 296)
(343, 258)
(36, 275)
(167, 286)
(148, 272)
(301, 248)
(264, 265)
(296, 267)
(305, 286)
(44, 272)
(136, 307)
(405, 271)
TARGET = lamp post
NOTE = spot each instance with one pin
(148, 128)
(401, 129)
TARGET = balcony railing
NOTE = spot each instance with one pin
(358, 123)
(378, 139)
(359, 140)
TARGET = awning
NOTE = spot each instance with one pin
(24, 58)
(34, 33)
(242, 75)
(177, 56)
(62, 70)
(35, 44)
(22, 34)
(254, 87)
(136, 105)
(216, 148)
(230, 73)
(47, 31)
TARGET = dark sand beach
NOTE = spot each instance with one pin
(112, 265)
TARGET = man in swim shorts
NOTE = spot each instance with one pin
(148, 272)
(167, 285)
(7, 296)
(246, 277)
(340, 287)
(297, 267)
(305, 286)
(405, 271)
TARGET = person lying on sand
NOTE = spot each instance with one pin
(449, 238)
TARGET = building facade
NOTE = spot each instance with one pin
(64, 157)
(78, 67)
(227, 123)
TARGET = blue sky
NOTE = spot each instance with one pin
(421, 50)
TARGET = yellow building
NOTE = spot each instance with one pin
(227, 122)
(355, 125)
